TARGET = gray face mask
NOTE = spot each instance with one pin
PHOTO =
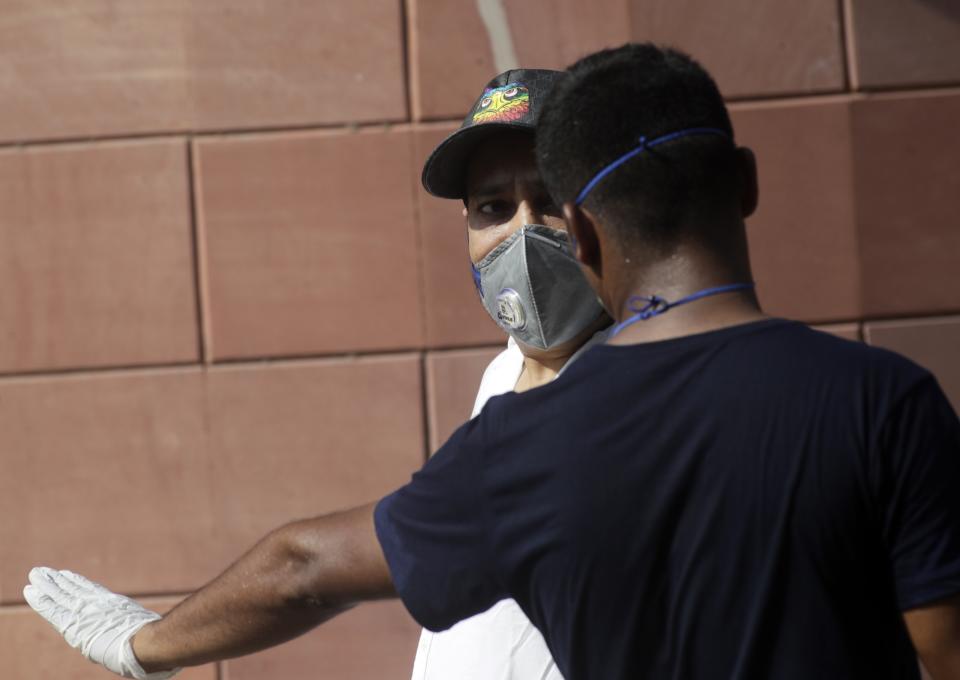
(533, 288)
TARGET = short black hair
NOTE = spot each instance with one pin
(599, 111)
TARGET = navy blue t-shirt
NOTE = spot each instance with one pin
(760, 501)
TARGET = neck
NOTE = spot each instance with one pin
(540, 366)
(539, 371)
(676, 277)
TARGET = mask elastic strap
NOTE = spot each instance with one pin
(656, 305)
(644, 145)
(477, 281)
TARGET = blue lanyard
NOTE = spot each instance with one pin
(656, 305)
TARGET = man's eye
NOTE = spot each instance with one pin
(493, 207)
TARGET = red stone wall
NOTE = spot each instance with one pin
(227, 302)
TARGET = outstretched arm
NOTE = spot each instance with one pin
(292, 580)
(297, 577)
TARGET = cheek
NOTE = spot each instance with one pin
(481, 241)
(557, 223)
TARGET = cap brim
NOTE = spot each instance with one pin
(445, 172)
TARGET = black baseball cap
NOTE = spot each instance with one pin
(511, 101)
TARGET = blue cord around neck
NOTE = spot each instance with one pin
(656, 305)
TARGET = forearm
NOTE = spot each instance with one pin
(294, 579)
(247, 608)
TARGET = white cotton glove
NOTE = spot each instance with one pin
(92, 619)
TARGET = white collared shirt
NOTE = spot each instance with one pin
(500, 643)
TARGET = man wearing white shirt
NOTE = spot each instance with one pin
(489, 164)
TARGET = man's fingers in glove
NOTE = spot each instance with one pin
(86, 589)
(82, 583)
(44, 579)
(35, 598)
(78, 586)
(56, 614)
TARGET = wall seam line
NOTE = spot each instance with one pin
(844, 37)
(849, 45)
(199, 256)
(922, 89)
(405, 59)
(425, 407)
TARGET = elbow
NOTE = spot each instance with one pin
(294, 565)
(298, 565)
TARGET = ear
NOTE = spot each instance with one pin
(582, 228)
(749, 188)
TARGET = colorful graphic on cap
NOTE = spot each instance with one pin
(503, 104)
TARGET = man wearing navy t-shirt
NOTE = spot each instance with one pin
(711, 494)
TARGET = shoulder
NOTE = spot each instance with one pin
(841, 380)
(880, 366)
(797, 346)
